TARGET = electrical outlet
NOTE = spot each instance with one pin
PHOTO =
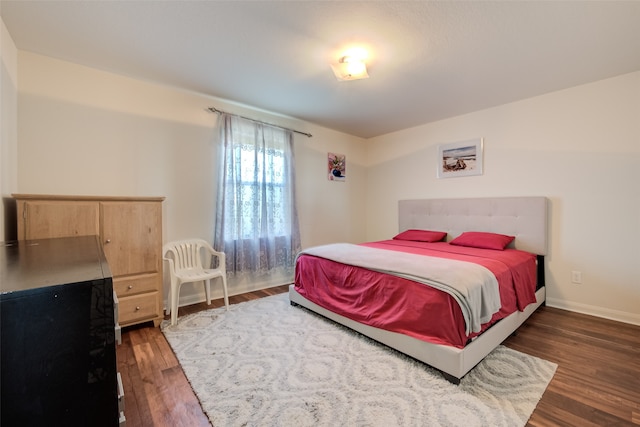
(576, 277)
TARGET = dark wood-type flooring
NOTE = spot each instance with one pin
(597, 382)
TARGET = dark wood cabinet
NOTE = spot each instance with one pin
(57, 334)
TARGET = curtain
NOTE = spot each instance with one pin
(256, 218)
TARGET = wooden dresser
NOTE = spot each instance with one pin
(130, 231)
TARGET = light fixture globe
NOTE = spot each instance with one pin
(350, 68)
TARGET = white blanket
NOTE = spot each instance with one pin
(473, 286)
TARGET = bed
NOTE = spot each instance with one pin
(451, 330)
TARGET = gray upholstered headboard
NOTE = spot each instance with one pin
(523, 217)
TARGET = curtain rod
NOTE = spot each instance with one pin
(215, 110)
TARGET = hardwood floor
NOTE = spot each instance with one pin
(156, 390)
(597, 382)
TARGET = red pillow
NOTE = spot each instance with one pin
(421, 236)
(476, 239)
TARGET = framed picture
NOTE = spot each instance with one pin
(337, 167)
(463, 158)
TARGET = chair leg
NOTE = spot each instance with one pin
(224, 290)
(168, 310)
(207, 290)
(175, 293)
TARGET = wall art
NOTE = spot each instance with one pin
(463, 158)
(337, 164)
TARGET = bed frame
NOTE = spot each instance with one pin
(523, 217)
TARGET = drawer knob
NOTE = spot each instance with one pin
(108, 241)
(130, 286)
(137, 308)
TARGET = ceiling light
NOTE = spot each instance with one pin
(350, 68)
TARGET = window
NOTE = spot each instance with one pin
(262, 193)
(256, 220)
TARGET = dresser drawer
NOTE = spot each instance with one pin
(139, 308)
(133, 285)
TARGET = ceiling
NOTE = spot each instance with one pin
(428, 60)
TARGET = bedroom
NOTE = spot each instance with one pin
(577, 146)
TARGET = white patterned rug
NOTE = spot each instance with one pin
(266, 363)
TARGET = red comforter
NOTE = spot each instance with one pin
(401, 305)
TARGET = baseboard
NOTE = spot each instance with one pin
(194, 293)
(605, 313)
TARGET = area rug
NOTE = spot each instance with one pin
(267, 363)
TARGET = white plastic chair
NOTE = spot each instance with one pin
(186, 259)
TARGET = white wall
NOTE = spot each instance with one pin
(88, 132)
(8, 129)
(84, 131)
(579, 147)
